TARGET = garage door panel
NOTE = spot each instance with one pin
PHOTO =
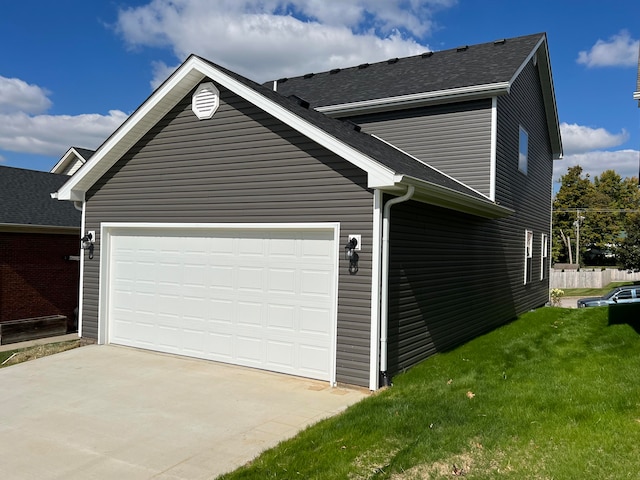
(250, 279)
(249, 350)
(312, 321)
(315, 283)
(220, 276)
(282, 281)
(313, 359)
(253, 247)
(259, 298)
(281, 355)
(249, 314)
(282, 317)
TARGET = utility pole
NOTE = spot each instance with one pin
(577, 225)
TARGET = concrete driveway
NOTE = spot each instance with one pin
(102, 412)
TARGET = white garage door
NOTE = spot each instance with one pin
(258, 298)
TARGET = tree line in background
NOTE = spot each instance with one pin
(597, 222)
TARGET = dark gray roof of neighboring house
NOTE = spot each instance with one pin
(466, 66)
(25, 199)
(85, 152)
(376, 149)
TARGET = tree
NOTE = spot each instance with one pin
(629, 249)
(601, 208)
(574, 194)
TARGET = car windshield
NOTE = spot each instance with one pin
(610, 294)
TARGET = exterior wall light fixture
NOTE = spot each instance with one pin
(87, 242)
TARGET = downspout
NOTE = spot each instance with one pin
(384, 300)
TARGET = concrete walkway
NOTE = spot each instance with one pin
(102, 412)
(569, 302)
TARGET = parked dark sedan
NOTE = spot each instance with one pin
(625, 294)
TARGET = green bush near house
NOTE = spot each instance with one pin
(555, 394)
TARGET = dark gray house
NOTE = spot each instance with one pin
(223, 212)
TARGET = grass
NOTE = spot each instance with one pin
(12, 357)
(553, 395)
(592, 292)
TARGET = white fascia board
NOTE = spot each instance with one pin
(150, 112)
(171, 92)
(71, 155)
(548, 93)
(494, 149)
(417, 99)
(433, 194)
(58, 166)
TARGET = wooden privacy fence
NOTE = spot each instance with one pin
(589, 277)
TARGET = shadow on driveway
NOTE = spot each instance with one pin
(114, 412)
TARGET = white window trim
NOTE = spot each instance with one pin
(524, 170)
(528, 252)
(544, 255)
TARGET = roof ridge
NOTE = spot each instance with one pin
(457, 49)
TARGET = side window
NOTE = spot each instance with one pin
(544, 261)
(624, 295)
(523, 151)
(528, 255)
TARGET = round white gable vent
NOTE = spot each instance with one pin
(205, 101)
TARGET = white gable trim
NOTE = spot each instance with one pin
(190, 73)
(72, 155)
(417, 99)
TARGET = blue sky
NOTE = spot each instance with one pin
(72, 70)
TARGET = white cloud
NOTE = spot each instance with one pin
(620, 50)
(580, 139)
(265, 39)
(161, 71)
(18, 96)
(624, 162)
(53, 134)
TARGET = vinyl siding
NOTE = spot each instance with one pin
(242, 166)
(529, 195)
(455, 139)
(453, 276)
(447, 281)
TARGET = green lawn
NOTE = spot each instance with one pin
(553, 395)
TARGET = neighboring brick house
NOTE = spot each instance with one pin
(39, 247)
(224, 212)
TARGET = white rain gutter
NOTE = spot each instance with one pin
(384, 300)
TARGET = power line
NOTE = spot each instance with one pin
(601, 210)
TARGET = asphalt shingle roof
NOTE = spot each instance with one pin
(482, 64)
(85, 152)
(25, 199)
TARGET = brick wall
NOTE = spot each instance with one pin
(35, 279)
